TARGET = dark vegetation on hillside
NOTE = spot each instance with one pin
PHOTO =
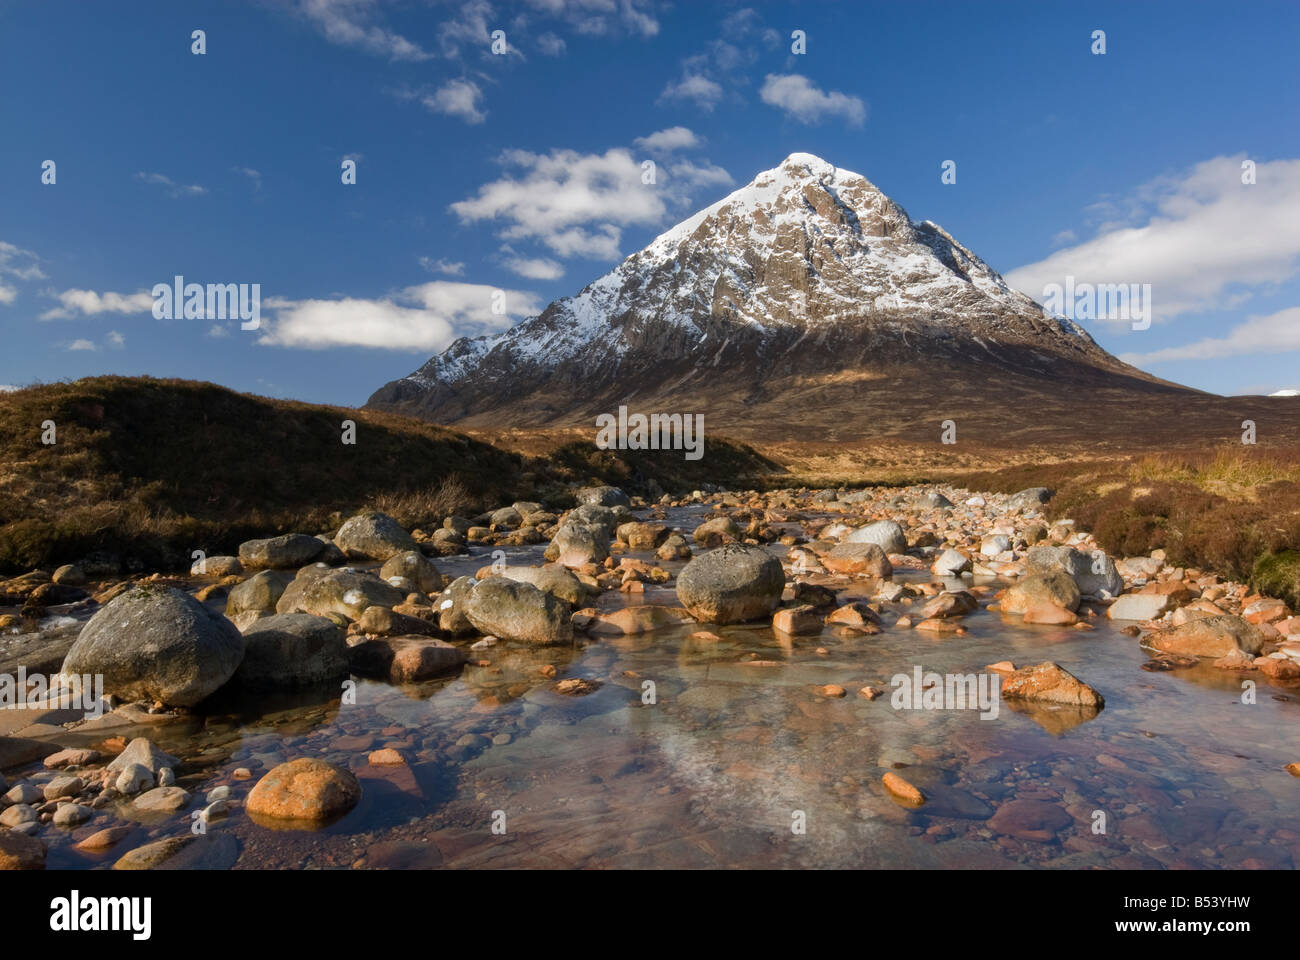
(148, 470)
(1234, 509)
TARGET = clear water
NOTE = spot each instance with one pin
(717, 772)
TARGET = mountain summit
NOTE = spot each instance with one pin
(805, 298)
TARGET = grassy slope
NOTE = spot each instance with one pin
(1233, 509)
(153, 469)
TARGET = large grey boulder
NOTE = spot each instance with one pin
(554, 578)
(256, 597)
(732, 584)
(292, 649)
(603, 496)
(577, 543)
(1094, 573)
(288, 552)
(452, 604)
(157, 643)
(885, 533)
(373, 536)
(415, 567)
(345, 592)
(1030, 499)
(518, 611)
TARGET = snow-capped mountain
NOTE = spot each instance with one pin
(800, 291)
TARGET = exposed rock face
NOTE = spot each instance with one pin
(732, 584)
(808, 277)
(157, 643)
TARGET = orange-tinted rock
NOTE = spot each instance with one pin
(797, 621)
(1049, 683)
(1215, 636)
(1050, 614)
(305, 789)
(903, 791)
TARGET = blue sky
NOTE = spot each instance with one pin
(478, 172)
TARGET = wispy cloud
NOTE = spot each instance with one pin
(695, 87)
(537, 268)
(88, 303)
(254, 175)
(173, 188)
(457, 98)
(351, 23)
(1201, 238)
(666, 141)
(804, 102)
(424, 318)
(1274, 333)
(447, 267)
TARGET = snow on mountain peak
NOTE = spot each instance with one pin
(803, 245)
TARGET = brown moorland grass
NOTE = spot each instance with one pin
(148, 470)
(1232, 509)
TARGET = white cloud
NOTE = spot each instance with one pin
(699, 175)
(457, 98)
(345, 22)
(802, 101)
(666, 141)
(81, 345)
(218, 331)
(254, 175)
(424, 318)
(115, 339)
(89, 303)
(1285, 393)
(540, 268)
(173, 188)
(601, 17)
(8, 388)
(576, 204)
(17, 263)
(1274, 333)
(551, 45)
(451, 269)
(1202, 239)
(696, 87)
